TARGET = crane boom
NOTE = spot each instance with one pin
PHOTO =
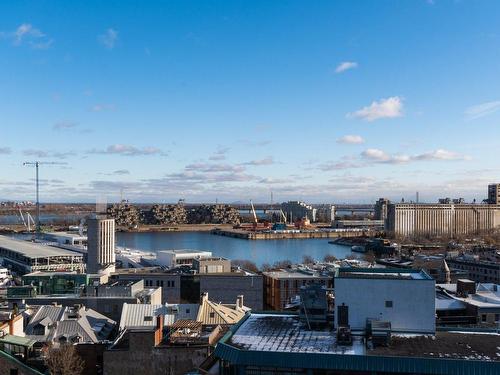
(253, 212)
(36, 164)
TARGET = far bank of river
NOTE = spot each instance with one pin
(259, 252)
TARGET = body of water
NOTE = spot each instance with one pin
(259, 252)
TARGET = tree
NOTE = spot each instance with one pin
(370, 257)
(246, 265)
(63, 360)
(282, 264)
(330, 258)
(307, 259)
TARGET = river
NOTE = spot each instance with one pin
(259, 251)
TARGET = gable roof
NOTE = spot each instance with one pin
(211, 313)
(66, 322)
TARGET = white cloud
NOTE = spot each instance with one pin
(127, 150)
(27, 34)
(109, 38)
(384, 108)
(351, 139)
(441, 154)
(346, 65)
(480, 110)
(64, 125)
(379, 156)
(5, 150)
(266, 161)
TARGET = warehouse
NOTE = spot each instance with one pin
(25, 257)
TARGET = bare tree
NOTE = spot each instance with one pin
(246, 264)
(63, 360)
(330, 258)
(307, 259)
(370, 257)
(282, 264)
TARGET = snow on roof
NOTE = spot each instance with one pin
(285, 333)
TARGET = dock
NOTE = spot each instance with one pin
(291, 234)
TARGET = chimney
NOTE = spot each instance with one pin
(239, 302)
(204, 297)
(159, 330)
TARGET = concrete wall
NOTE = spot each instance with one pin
(225, 289)
(100, 244)
(413, 302)
(448, 220)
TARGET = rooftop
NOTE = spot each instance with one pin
(186, 252)
(33, 250)
(382, 273)
(298, 273)
(285, 333)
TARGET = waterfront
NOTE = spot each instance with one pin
(259, 252)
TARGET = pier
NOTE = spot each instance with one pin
(292, 234)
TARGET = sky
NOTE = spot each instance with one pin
(322, 101)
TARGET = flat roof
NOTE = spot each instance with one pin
(295, 274)
(52, 273)
(34, 250)
(284, 333)
(66, 234)
(185, 251)
(382, 273)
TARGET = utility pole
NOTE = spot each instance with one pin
(37, 164)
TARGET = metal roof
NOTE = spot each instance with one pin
(144, 315)
(87, 323)
(17, 340)
(33, 250)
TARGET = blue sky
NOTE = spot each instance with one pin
(326, 101)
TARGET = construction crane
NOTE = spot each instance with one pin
(37, 164)
(254, 214)
(282, 214)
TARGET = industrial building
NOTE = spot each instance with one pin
(25, 257)
(441, 220)
(101, 244)
(296, 210)
(367, 293)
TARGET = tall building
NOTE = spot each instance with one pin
(494, 193)
(381, 208)
(101, 244)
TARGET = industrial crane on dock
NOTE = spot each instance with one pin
(36, 164)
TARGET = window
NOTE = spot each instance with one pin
(173, 283)
(497, 317)
(14, 371)
(388, 303)
(212, 315)
(188, 311)
(483, 317)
